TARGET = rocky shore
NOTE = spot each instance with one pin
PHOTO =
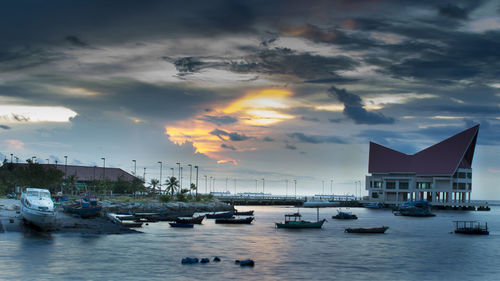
(11, 220)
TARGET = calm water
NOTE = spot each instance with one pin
(412, 249)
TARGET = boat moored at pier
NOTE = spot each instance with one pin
(38, 208)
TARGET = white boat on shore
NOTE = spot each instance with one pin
(37, 207)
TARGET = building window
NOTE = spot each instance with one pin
(469, 186)
(461, 185)
(424, 185)
(454, 185)
(403, 185)
(461, 175)
(374, 195)
(390, 185)
(469, 175)
(377, 184)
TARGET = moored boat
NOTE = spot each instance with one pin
(367, 230)
(342, 215)
(223, 215)
(233, 220)
(86, 207)
(38, 208)
(246, 213)
(295, 221)
(183, 225)
(421, 208)
(193, 220)
(471, 227)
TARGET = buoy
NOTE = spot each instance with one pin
(204, 260)
(216, 259)
(188, 260)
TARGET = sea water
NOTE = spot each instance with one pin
(412, 249)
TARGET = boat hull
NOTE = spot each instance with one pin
(297, 225)
(182, 225)
(225, 215)
(42, 219)
(83, 212)
(235, 221)
(367, 230)
(196, 220)
(247, 213)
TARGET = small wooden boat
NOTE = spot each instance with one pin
(367, 230)
(295, 221)
(471, 227)
(87, 207)
(246, 213)
(233, 220)
(183, 225)
(194, 220)
(345, 216)
(224, 215)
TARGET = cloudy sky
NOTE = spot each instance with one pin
(249, 90)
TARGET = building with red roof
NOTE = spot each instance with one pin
(441, 173)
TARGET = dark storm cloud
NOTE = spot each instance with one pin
(227, 146)
(275, 61)
(23, 57)
(316, 139)
(290, 146)
(452, 11)
(219, 120)
(75, 41)
(233, 136)
(5, 127)
(353, 108)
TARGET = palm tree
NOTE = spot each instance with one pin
(154, 183)
(172, 185)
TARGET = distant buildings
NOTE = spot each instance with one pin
(440, 174)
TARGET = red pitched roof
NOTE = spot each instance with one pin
(440, 159)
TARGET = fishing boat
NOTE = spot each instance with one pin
(193, 220)
(246, 213)
(295, 221)
(86, 207)
(38, 208)
(342, 215)
(233, 220)
(224, 215)
(471, 227)
(421, 208)
(367, 230)
(183, 225)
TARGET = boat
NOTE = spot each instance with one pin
(295, 221)
(377, 205)
(246, 213)
(224, 215)
(86, 207)
(420, 208)
(183, 225)
(471, 227)
(367, 230)
(38, 208)
(193, 220)
(341, 215)
(233, 220)
(114, 218)
(320, 204)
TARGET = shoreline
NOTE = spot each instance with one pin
(11, 219)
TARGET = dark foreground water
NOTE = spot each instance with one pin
(412, 249)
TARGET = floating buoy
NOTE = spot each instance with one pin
(216, 259)
(188, 260)
(205, 260)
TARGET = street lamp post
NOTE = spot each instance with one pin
(33, 159)
(161, 168)
(11, 155)
(286, 189)
(182, 168)
(206, 191)
(210, 184)
(190, 173)
(17, 159)
(66, 166)
(47, 161)
(135, 168)
(144, 175)
(256, 187)
(179, 164)
(263, 187)
(196, 167)
(295, 181)
(213, 186)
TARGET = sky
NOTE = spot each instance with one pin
(256, 93)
